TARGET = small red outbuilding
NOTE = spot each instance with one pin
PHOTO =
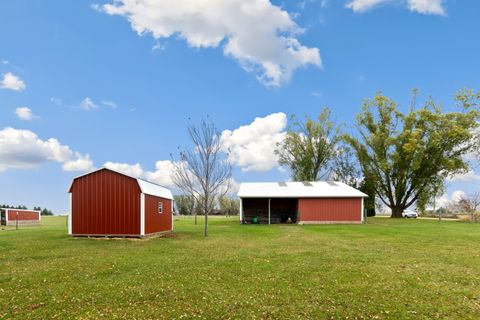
(301, 202)
(106, 202)
(14, 216)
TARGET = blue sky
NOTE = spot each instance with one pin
(78, 72)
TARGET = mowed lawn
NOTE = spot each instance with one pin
(386, 269)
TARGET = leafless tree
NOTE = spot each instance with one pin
(203, 171)
(470, 204)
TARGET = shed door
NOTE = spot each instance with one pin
(3, 217)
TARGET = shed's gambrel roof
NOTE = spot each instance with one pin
(146, 187)
(313, 189)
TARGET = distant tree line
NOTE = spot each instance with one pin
(6, 206)
(43, 212)
(225, 205)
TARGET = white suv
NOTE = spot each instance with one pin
(409, 214)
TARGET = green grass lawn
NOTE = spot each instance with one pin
(396, 269)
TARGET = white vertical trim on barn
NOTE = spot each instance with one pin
(142, 214)
(362, 212)
(172, 204)
(70, 216)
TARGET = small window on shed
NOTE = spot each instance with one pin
(160, 207)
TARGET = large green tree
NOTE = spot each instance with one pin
(346, 169)
(309, 146)
(408, 156)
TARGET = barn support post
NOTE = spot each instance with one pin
(269, 200)
(241, 210)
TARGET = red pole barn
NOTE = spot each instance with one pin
(317, 202)
(20, 216)
(109, 203)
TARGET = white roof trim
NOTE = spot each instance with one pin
(13, 209)
(318, 189)
(146, 187)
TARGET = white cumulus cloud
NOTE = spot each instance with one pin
(79, 163)
(129, 169)
(23, 149)
(441, 201)
(88, 104)
(161, 175)
(458, 195)
(445, 200)
(469, 176)
(434, 7)
(252, 146)
(364, 5)
(12, 82)
(24, 113)
(259, 35)
(427, 6)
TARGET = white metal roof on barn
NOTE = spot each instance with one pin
(314, 189)
(146, 187)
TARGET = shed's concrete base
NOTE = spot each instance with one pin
(23, 222)
(113, 236)
(329, 222)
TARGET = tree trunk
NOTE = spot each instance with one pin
(396, 212)
(206, 223)
(194, 211)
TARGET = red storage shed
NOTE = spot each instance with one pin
(106, 202)
(12, 216)
(300, 202)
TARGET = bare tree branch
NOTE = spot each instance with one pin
(203, 171)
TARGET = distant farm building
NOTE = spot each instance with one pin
(300, 202)
(22, 217)
(110, 203)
